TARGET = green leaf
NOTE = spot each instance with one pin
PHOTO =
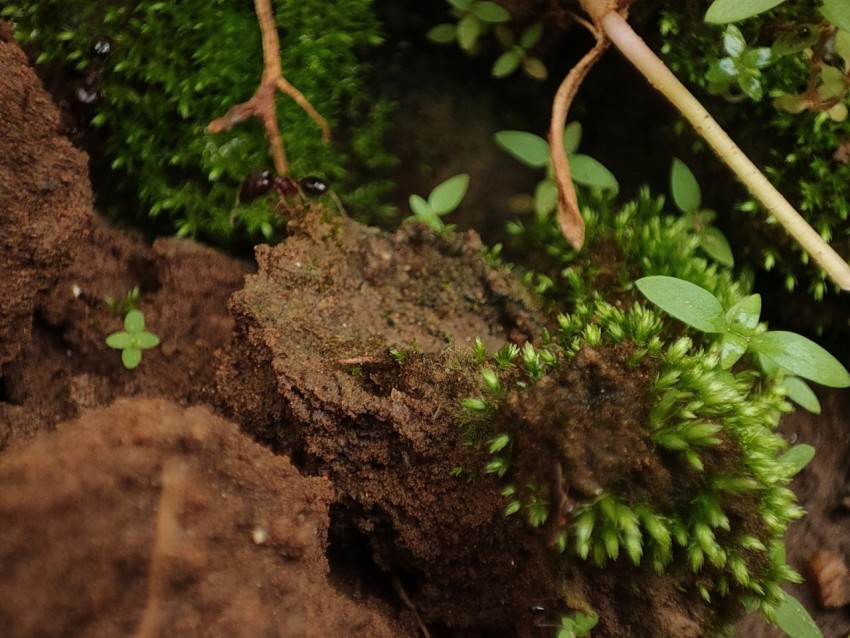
(713, 242)
(758, 58)
(468, 30)
(732, 348)
(442, 33)
(684, 187)
(146, 340)
(794, 620)
(797, 458)
(837, 12)
(448, 195)
(751, 86)
(685, 301)
(419, 206)
(745, 313)
(734, 42)
(120, 340)
(801, 394)
(721, 71)
(802, 356)
(545, 197)
(572, 137)
(723, 11)
(462, 5)
(134, 322)
(589, 172)
(528, 148)
(491, 12)
(534, 68)
(506, 63)
(531, 35)
(131, 357)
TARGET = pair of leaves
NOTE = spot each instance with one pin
(517, 54)
(132, 340)
(688, 198)
(742, 66)
(533, 151)
(475, 19)
(445, 198)
(700, 309)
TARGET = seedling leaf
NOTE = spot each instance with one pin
(442, 33)
(131, 357)
(572, 137)
(448, 195)
(491, 12)
(723, 11)
(745, 313)
(506, 64)
(134, 322)
(590, 172)
(803, 357)
(797, 458)
(685, 301)
(684, 187)
(531, 35)
(801, 394)
(119, 340)
(713, 242)
(146, 340)
(528, 148)
(794, 620)
(734, 42)
(419, 206)
(732, 348)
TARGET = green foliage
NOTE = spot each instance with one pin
(133, 339)
(122, 305)
(688, 199)
(794, 620)
(445, 198)
(723, 11)
(741, 332)
(577, 625)
(475, 19)
(797, 135)
(533, 151)
(741, 67)
(175, 67)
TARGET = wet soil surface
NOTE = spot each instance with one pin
(139, 502)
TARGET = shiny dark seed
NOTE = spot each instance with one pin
(313, 185)
(285, 186)
(255, 185)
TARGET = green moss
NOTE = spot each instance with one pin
(175, 67)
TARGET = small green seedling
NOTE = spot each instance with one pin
(133, 339)
(517, 54)
(533, 151)
(443, 199)
(741, 332)
(475, 18)
(122, 305)
(577, 625)
(741, 67)
(688, 199)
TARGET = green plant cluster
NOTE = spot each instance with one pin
(793, 66)
(174, 67)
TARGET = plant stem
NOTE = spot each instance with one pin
(641, 56)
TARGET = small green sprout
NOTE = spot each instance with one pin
(475, 18)
(122, 305)
(133, 339)
(688, 199)
(740, 67)
(533, 151)
(577, 625)
(443, 199)
(517, 55)
(741, 332)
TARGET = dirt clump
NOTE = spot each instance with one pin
(149, 518)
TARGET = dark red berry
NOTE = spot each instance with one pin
(256, 185)
(313, 185)
(285, 186)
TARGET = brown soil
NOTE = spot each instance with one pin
(146, 513)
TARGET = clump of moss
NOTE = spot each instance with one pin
(803, 154)
(171, 68)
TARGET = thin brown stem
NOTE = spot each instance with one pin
(262, 103)
(569, 215)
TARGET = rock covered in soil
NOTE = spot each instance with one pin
(45, 197)
(148, 519)
(310, 373)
